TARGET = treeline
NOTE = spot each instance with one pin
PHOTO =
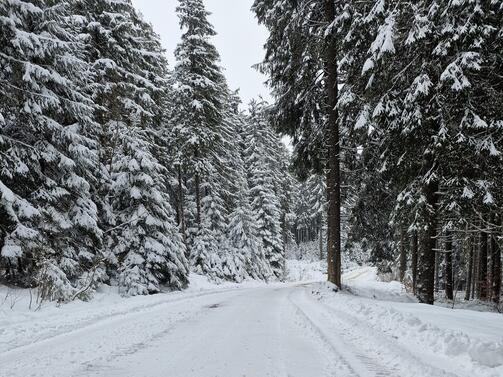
(115, 169)
(400, 104)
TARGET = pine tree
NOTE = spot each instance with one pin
(50, 159)
(130, 86)
(146, 242)
(245, 250)
(200, 90)
(265, 203)
(200, 96)
(411, 69)
(302, 63)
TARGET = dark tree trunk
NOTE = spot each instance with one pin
(475, 271)
(425, 291)
(495, 268)
(321, 241)
(198, 199)
(470, 270)
(448, 268)
(403, 255)
(482, 277)
(414, 253)
(181, 207)
(333, 175)
(437, 272)
(197, 183)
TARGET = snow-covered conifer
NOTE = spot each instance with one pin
(265, 203)
(48, 131)
(146, 240)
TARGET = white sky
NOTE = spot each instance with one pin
(239, 40)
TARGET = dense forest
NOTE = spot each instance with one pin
(116, 168)
(400, 105)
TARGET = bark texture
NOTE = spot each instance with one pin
(333, 175)
(414, 254)
(449, 294)
(425, 291)
(495, 268)
(482, 292)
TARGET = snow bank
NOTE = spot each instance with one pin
(364, 282)
(22, 323)
(473, 339)
(426, 333)
(198, 283)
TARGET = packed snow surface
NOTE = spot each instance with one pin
(374, 329)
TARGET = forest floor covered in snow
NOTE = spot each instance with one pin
(300, 328)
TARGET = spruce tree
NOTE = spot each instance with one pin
(50, 161)
(130, 86)
(411, 70)
(302, 64)
(200, 93)
(146, 241)
(265, 203)
(200, 90)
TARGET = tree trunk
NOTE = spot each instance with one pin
(449, 294)
(181, 207)
(403, 255)
(475, 273)
(414, 261)
(470, 270)
(197, 183)
(496, 268)
(333, 175)
(321, 241)
(425, 291)
(482, 277)
(437, 272)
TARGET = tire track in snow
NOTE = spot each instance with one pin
(91, 352)
(57, 332)
(97, 364)
(355, 362)
(391, 348)
(336, 367)
(382, 355)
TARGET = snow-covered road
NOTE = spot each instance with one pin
(245, 332)
(299, 330)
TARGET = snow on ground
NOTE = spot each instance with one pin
(466, 342)
(312, 270)
(305, 271)
(363, 282)
(22, 320)
(372, 329)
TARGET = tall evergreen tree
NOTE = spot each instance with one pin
(146, 242)
(200, 95)
(130, 87)
(302, 64)
(200, 90)
(408, 92)
(49, 154)
(265, 202)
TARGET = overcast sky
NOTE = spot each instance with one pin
(240, 39)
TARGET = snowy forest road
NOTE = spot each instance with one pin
(276, 331)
